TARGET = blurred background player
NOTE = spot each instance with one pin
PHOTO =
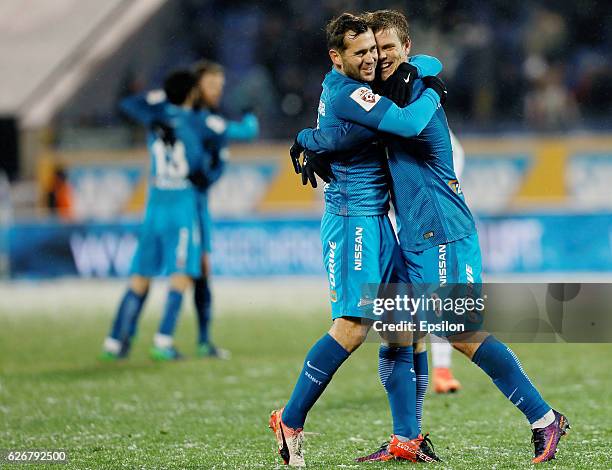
(170, 241)
(211, 81)
(442, 377)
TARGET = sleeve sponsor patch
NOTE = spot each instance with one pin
(365, 98)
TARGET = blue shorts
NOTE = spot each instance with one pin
(360, 254)
(453, 271)
(169, 240)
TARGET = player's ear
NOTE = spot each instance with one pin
(407, 46)
(336, 58)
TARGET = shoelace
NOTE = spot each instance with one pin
(427, 445)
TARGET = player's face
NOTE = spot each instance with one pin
(391, 51)
(358, 60)
(211, 88)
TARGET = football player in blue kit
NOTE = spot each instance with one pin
(436, 231)
(211, 81)
(356, 207)
(170, 238)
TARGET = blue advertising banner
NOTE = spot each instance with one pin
(285, 247)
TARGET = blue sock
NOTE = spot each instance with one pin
(395, 368)
(171, 312)
(321, 362)
(504, 368)
(126, 319)
(421, 370)
(202, 300)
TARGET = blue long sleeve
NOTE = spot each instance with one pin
(335, 139)
(138, 108)
(411, 120)
(426, 65)
(244, 130)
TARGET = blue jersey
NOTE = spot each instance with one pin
(170, 165)
(427, 197)
(360, 181)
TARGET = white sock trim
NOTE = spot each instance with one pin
(544, 421)
(112, 345)
(162, 341)
(441, 352)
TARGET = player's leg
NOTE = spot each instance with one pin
(181, 255)
(397, 367)
(163, 342)
(500, 363)
(349, 329)
(203, 302)
(145, 264)
(117, 343)
(442, 375)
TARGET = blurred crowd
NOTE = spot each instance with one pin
(520, 65)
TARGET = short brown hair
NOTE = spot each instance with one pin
(337, 28)
(204, 66)
(389, 19)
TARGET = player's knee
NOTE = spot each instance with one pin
(139, 285)
(349, 332)
(180, 282)
(469, 342)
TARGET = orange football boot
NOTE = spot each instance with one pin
(290, 441)
(444, 382)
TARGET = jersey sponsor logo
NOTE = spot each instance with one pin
(216, 124)
(365, 98)
(365, 301)
(407, 79)
(321, 108)
(331, 264)
(358, 248)
(455, 186)
(442, 264)
(469, 273)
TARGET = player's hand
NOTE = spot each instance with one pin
(164, 132)
(295, 151)
(437, 85)
(316, 164)
(398, 87)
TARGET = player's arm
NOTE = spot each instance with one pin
(245, 130)
(362, 106)
(143, 108)
(214, 137)
(425, 65)
(335, 139)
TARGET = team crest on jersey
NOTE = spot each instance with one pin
(455, 186)
(321, 108)
(365, 98)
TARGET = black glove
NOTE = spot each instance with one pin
(295, 151)
(164, 132)
(398, 87)
(316, 164)
(437, 85)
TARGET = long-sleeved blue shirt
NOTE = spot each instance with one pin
(428, 201)
(349, 111)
